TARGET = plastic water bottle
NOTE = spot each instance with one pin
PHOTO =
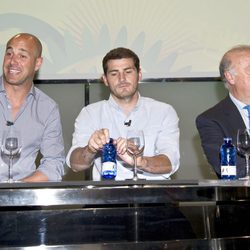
(228, 160)
(109, 167)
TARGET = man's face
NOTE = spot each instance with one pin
(122, 78)
(20, 61)
(240, 81)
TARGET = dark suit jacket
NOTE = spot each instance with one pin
(222, 120)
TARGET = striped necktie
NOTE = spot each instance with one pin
(247, 107)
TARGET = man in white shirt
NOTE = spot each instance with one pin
(125, 110)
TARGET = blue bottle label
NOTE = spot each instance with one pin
(109, 170)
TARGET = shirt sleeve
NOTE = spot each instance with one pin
(83, 129)
(52, 147)
(167, 141)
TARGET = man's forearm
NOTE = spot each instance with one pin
(81, 158)
(37, 176)
(159, 164)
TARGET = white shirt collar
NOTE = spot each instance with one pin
(239, 104)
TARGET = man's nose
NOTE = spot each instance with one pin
(13, 59)
(122, 76)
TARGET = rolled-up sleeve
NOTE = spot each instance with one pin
(168, 139)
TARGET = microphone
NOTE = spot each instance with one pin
(128, 123)
(9, 123)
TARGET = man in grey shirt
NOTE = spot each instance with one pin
(25, 108)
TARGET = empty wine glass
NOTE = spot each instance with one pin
(10, 148)
(243, 147)
(135, 147)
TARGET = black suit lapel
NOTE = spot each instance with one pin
(232, 115)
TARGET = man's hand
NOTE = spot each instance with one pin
(121, 147)
(97, 140)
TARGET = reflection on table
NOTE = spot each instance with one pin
(122, 215)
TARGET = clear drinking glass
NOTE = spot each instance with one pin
(243, 147)
(10, 148)
(135, 147)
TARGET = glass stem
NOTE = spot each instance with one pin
(135, 167)
(247, 165)
(10, 167)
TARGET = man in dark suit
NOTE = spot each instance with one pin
(229, 115)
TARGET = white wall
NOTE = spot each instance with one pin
(173, 38)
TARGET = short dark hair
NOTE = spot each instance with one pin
(120, 53)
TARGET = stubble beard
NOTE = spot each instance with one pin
(125, 95)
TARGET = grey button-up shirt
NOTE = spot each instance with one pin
(39, 124)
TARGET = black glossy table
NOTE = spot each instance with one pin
(123, 215)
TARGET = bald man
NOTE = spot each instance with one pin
(26, 109)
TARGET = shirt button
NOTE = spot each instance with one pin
(9, 107)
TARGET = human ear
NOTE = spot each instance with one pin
(230, 77)
(39, 62)
(105, 81)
